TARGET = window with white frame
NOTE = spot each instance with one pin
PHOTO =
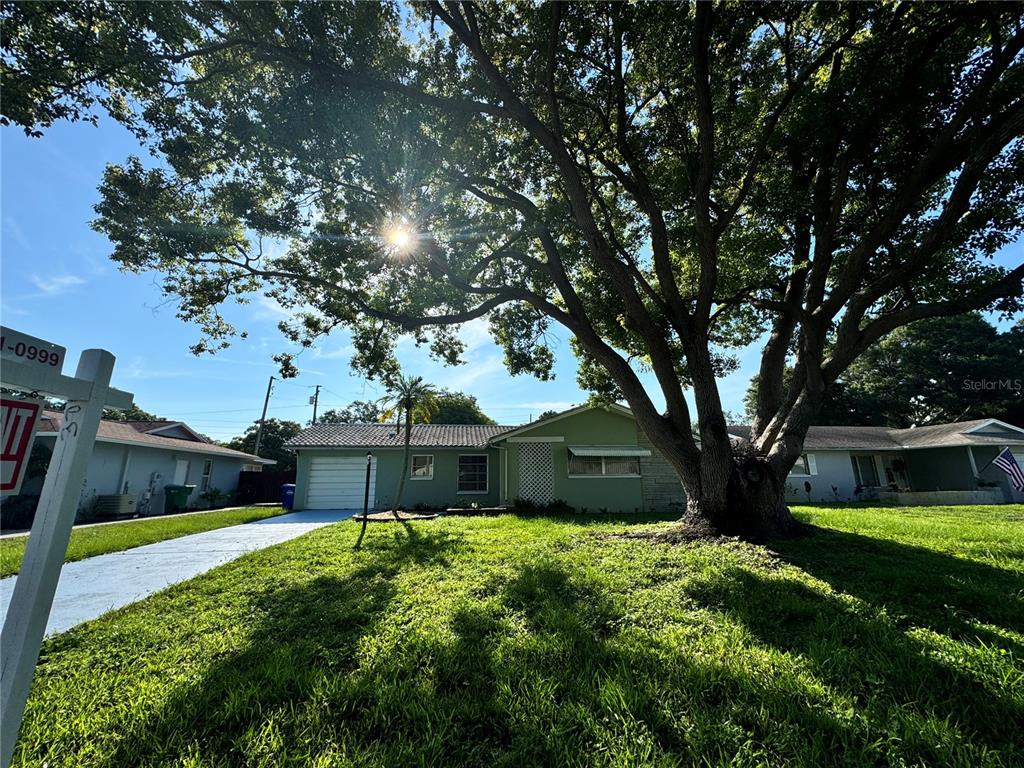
(422, 467)
(602, 466)
(805, 465)
(204, 483)
(472, 474)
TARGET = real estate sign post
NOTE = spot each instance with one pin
(86, 394)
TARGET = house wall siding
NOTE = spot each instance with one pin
(440, 492)
(661, 488)
(106, 465)
(590, 494)
(834, 469)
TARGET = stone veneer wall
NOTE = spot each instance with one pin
(662, 491)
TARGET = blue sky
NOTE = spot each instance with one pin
(57, 283)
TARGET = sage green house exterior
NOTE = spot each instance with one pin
(594, 459)
(612, 431)
(531, 463)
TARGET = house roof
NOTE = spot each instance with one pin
(388, 436)
(613, 407)
(886, 439)
(129, 433)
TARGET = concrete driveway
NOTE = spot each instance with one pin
(89, 588)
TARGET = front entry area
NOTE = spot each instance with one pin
(337, 482)
(537, 472)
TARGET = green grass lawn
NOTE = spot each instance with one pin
(101, 539)
(896, 637)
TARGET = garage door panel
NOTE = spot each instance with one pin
(337, 482)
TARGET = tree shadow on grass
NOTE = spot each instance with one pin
(547, 667)
(303, 637)
(964, 599)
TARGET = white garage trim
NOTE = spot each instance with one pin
(338, 482)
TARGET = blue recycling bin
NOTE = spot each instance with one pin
(288, 495)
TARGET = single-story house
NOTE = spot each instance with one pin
(134, 460)
(936, 464)
(595, 459)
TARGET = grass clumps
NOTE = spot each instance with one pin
(892, 639)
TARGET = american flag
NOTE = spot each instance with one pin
(1009, 465)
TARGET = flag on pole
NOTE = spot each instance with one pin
(1009, 465)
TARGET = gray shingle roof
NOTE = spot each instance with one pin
(126, 432)
(884, 438)
(387, 436)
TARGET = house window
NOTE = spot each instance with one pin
(865, 471)
(204, 483)
(422, 468)
(599, 466)
(802, 466)
(472, 474)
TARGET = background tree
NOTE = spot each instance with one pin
(940, 370)
(459, 408)
(547, 415)
(667, 181)
(129, 414)
(356, 412)
(410, 400)
(276, 432)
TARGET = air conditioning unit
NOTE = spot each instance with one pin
(115, 506)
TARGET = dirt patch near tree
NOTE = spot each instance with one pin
(388, 517)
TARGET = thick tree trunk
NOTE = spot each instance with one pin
(754, 504)
(733, 493)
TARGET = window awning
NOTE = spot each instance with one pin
(608, 450)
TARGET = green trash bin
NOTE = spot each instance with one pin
(176, 498)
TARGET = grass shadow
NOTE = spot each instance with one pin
(541, 662)
(964, 599)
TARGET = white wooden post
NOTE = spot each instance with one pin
(32, 598)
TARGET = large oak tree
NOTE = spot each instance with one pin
(667, 181)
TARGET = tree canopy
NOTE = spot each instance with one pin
(356, 412)
(452, 408)
(459, 408)
(667, 181)
(134, 413)
(940, 370)
(276, 432)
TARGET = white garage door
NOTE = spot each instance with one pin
(337, 482)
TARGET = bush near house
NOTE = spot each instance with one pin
(893, 638)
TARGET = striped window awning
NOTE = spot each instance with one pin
(608, 450)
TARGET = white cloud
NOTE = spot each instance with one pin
(267, 308)
(462, 377)
(54, 285)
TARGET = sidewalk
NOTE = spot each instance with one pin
(89, 588)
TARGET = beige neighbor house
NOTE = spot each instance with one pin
(133, 461)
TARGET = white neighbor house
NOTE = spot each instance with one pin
(136, 459)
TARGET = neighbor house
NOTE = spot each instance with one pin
(133, 461)
(595, 459)
(937, 464)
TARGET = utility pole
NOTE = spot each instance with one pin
(263, 417)
(314, 401)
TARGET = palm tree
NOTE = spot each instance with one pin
(416, 400)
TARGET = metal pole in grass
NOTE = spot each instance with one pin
(366, 500)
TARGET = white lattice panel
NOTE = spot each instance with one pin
(536, 473)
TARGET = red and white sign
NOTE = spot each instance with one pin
(19, 419)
